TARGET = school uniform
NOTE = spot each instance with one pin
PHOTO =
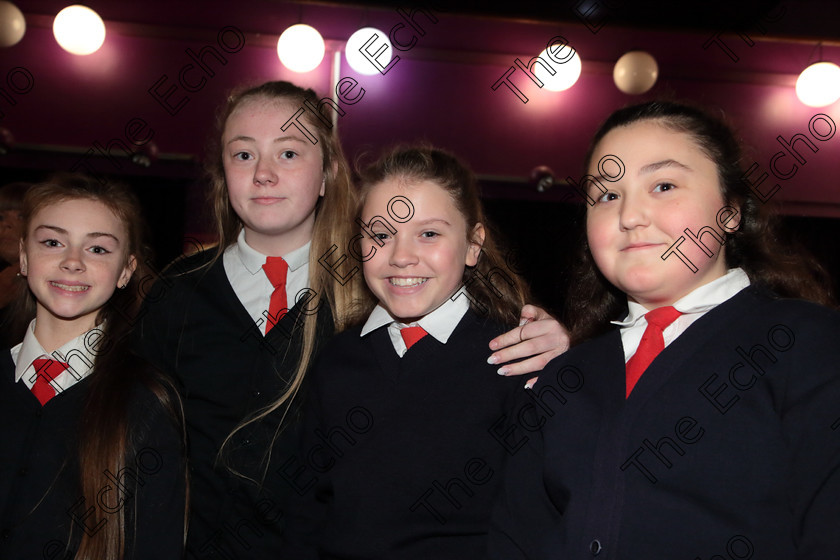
(396, 459)
(42, 510)
(195, 324)
(727, 447)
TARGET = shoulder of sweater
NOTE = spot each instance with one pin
(474, 323)
(192, 266)
(799, 311)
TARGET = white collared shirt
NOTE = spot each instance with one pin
(440, 323)
(243, 266)
(692, 306)
(79, 354)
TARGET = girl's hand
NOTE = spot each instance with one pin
(539, 337)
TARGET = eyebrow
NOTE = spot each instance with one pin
(91, 235)
(651, 167)
(431, 221)
(250, 139)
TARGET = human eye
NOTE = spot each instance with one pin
(50, 242)
(242, 156)
(99, 250)
(381, 236)
(429, 234)
(663, 187)
(288, 154)
(607, 196)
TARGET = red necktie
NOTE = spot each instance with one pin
(410, 335)
(276, 269)
(47, 370)
(651, 345)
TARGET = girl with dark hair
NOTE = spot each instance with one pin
(93, 459)
(239, 324)
(411, 382)
(703, 421)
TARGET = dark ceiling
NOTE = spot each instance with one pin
(805, 18)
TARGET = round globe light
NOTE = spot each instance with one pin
(635, 72)
(79, 30)
(301, 48)
(12, 24)
(377, 46)
(566, 73)
(819, 84)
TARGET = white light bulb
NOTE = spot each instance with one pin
(12, 24)
(301, 48)
(377, 46)
(819, 84)
(566, 73)
(79, 30)
(635, 72)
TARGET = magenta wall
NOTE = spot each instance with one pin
(439, 91)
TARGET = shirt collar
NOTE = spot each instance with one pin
(253, 260)
(79, 353)
(440, 323)
(699, 300)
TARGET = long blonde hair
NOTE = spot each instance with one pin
(331, 233)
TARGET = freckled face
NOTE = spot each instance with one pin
(421, 265)
(669, 184)
(274, 177)
(74, 257)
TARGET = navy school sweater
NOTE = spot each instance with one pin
(194, 327)
(728, 447)
(42, 510)
(399, 456)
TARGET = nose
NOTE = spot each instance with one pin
(73, 260)
(264, 173)
(403, 251)
(633, 212)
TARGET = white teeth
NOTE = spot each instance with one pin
(407, 282)
(70, 288)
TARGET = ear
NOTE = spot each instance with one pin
(476, 242)
(126, 273)
(23, 263)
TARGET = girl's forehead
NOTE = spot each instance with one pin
(258, 107)
(410, 193)
(88, 212)
(644, 142)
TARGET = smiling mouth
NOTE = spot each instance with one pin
(406, 282)
(70, 288)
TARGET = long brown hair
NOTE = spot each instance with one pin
(105, 436)
(495, 290)
(755, 246)
(332, 229)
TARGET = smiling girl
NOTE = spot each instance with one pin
(239, 324)
(418, 474)
(704, 420)
(93, 461)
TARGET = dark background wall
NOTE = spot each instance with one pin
(742, 58)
